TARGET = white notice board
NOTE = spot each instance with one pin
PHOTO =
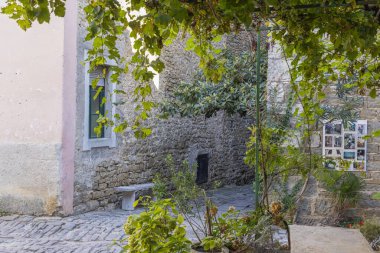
(345, 143)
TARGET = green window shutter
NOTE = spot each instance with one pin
(95, 104)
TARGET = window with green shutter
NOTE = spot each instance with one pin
(99, 100)
(99, 75)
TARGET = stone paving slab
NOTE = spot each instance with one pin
(93, 232)
(314, 239)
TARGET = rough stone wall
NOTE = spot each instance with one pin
(317, 205)
(136, 161)
(85, 161)
(371, 112)
(221, 137)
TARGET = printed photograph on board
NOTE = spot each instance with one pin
(337, 141)
(333, 152)
(350, 127)
(362, 129)
(329, 152)
(328, 141)
(361, 143)
(337, 129)
(349, 155)
(349, 141)
(361, 155)
(329, 128)
(358, 165)
(330, 164)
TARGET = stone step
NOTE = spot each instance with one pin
(352, 212)
(373, 175)
(372, 187)
(317, 239)
(314, 220)
(371, 212)
(363, 212)
(366, 201)
(372, 181)
(369, 191)
(372, 184)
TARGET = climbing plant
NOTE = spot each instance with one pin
(322, 40)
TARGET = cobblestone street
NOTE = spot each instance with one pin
(90, 232)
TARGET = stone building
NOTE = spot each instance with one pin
(317, 205)
(52, 163)
(50, 160)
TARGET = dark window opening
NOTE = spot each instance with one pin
(96, 108)
(202, 169)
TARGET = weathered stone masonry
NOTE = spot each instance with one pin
(220, 137)
(134, 161)
(316, 206)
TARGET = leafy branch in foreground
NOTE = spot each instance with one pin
(338, 38)
(159, 228)
(27, 12)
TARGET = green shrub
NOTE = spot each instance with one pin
(159, 189)
(371, 229)
(179, 185)
(288, 198)
(158, 229)
(345, 186)
(235, 229)
(233, 94)
(214, 231)
(212, 243)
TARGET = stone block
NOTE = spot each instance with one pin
(81, 208)
(97, 194)
(311, 188)
(375, 174)
(110, 206)
(304, 206)
(102, 186)
(103, 202)
(373, 147)
(92, 205)
(367, 202)
(325, 207)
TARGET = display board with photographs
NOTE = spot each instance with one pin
(345, 143)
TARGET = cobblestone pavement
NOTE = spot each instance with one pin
(90, 232)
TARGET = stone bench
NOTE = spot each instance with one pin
(130, 194)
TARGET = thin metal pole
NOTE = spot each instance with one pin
(258, 81)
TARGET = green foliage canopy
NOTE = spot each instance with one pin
(323, 39)
(27, 12)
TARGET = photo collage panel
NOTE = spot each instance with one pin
(333, 140)
(345, 141)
